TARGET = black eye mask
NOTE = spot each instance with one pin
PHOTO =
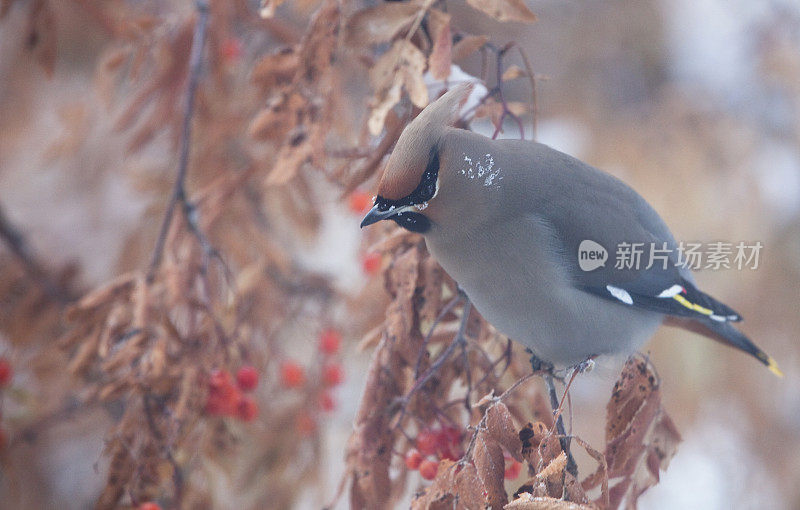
(414, 221)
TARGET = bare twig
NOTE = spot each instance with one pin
(420, 382)
(179, 189)
(447, 308)
(177, 472)
(532, 78)
(506, 112)
(20, 249)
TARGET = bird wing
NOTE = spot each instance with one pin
(643, 267)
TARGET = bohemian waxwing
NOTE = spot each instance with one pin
(526, 231)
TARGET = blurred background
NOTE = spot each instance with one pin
(695, 104)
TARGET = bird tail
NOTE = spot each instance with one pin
(725, 333)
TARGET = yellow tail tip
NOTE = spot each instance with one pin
(773, 367)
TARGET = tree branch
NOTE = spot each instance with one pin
(179, 190)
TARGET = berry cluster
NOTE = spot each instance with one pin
(6, 373)
(228, 399)
(433, 445)
(293, 376)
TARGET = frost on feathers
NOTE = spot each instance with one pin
(484, 169)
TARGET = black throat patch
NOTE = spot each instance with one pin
(414, 221)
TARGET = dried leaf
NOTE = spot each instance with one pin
(400, 67)
(440, 494)
(469, 488)
(275, 70)
(500, 426)
(513, 72)
(601, 474)
(490, 464)
(379, 24)
(468, 45)
(641, 438)
(440, 58)
(505, 10)
(103, 295)
(529, 502)
(555, 469)
(433, 276)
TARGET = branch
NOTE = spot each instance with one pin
(179, 190)
(506, 112)
(19, 248)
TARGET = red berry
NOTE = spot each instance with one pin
(428, 468)
(326, 401)
(219, 379)
(305, 424)
(413, 459)
(231, 49)
(149, 506)
(292, 374)
(371, 263)
(329, 341)
(6, 372)
(513, 470)
(427, 442)
(360, 202)
(247, 378)
(247, 410)
(449, 443)
(223, 396)
(332, 374)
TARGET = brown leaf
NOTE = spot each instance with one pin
(513, 72)
(529, 502)
(441, 492)
(103, 295)
(641, 438)
(469, 488)
(276, 69)
(468, 45)
(379, 24)
(400, 67)
(600, 476)
(505, 10)
(490, 464)
(555, 469)
(500, 426)
(433, 275)
(291, 157)
(439, 60)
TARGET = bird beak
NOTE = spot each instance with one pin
(374, 215)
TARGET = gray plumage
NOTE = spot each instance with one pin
(506, 219)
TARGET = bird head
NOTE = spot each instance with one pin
(410, 182)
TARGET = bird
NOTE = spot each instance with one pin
(527, 231)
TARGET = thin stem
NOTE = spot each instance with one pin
(447, 352)
(448, 307)
(506, 112)
(534, 102)
(179, 189)
(20, 249)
